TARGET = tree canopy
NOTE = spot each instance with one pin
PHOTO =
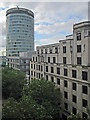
(40, 100)
(12, 83)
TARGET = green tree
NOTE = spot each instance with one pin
(12, 83)
(45, 93)
(11, 109)
(27, 108)
(40, 101)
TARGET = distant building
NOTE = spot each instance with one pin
(22, 62)
(3, 61)
(67, 63)
(20, 31)
(20, 38)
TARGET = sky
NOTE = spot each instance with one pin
(52, 20)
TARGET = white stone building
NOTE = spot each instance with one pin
(67, 63)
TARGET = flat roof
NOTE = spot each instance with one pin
(19, 10)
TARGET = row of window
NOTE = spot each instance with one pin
(19, 21)
(79, 60)
(79, 35)
(37, 67)
(50, 50)
(74, 111)
(37, 75)
(74, 85)
(10, 25)
(74, 72)
(21, 16)
(64, 50)
(15, 31)
(74, 99)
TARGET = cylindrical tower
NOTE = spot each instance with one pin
(20, 31)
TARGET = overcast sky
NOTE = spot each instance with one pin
(52, 22)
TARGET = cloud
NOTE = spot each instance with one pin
(53, 19)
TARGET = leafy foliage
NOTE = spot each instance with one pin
(45, 94)
(74, 117)
(12, 83)
(88, 111)
(40, 101)
(26, 108)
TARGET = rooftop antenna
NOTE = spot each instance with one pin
(17, 7)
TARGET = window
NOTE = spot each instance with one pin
(39, 75)
(32, 73)
(65, 95)
(38, 51)
(58, 81)
(42, 59)
(78, 36)
(64, 49)
(84, 103)
(52, 79)
(49, 59)
(36, 59)
(65, 83)
(74, 110)
(46, 77)
(84, 75)
(52, 70)
(41, 51)
(78, 48)
(84, 89)
(88, 32)
(64, 60)
(54, 59)
(66, 106)
(41, 68)
(79, 60)
(56, 50)
(65, 72)
(74, 98)
(74, 87)
(58, 71)
(34, 66)
(46, 51)
(46, 68)
(33, 58)
(84, 115)
(50, 50)
(31, 65)
(74, 73)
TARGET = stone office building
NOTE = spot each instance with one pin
(67, 63)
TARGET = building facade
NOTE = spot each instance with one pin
(67, 63)
(20, 31)
(21, 62)
(3, 61)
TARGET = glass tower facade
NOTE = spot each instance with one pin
(20, 31)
